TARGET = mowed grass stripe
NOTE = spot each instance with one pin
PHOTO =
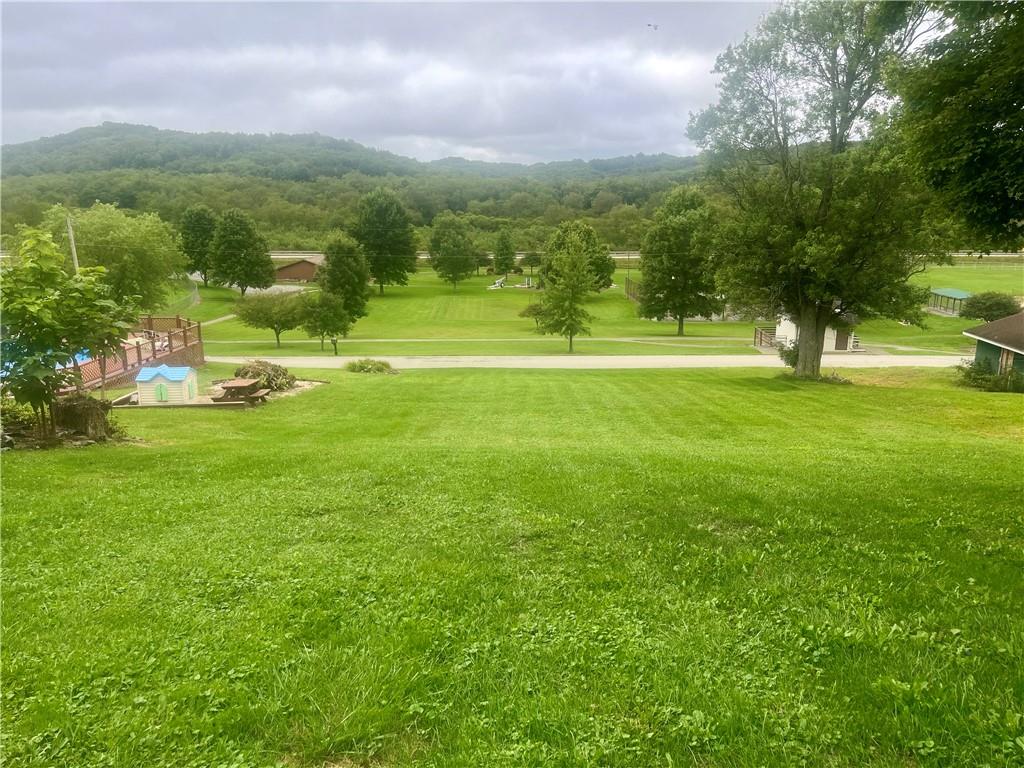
(547, 567)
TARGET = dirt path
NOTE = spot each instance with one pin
(610, 361)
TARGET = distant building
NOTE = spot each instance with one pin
(1000, 344)
(947, 301)
(164, 385)
(296, 266)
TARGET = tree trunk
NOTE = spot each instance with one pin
(321, 343)
(206, 280)
(570, 342)
(277, 336)
(334, 343)
(679, 325)
(242, 289)
(812, 323)
(381, 286)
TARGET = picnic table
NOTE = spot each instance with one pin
(236, 390)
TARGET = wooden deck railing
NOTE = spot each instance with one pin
(156, 338)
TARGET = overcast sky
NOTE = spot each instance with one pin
(520, 82)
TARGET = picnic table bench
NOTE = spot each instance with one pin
(237, 389)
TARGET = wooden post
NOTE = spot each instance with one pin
(170, 341)
(177, 321)
(124, 358)
(199, 331)
(184, 336)
(152, 342)
(138, 352)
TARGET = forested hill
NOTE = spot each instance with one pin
(113, 146)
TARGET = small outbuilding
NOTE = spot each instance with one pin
(164, 385)
(837, 339)
(1000, 344)
(947, 301)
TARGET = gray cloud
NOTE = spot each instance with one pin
(497, 82)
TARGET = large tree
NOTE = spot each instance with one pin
(198, 225)
(138, 251)
(963, 112)
(239, 253)
(823, 217)
(278, 312)
(452, 253)
(675, 263)
(569, 281)
(384, 230)
(504, 253)
(581, 235)
(346, 274)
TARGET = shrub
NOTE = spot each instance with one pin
(273, 377)
(788, 354)
(366, 365)
(989, 306)
(980, 375)
(16, 417)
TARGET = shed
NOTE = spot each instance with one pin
(1000, 344)
(838, 338)
(301, 271)
(947, 300)
(164, 385)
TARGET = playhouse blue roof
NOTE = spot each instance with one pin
(171, 374)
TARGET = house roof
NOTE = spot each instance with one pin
(1007, 332)
(291, 257)
(166, 371)
(951, 293)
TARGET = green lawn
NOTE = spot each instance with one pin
(1005, 278)
(429, 309)
(940, 333)
(294, 344)
(507, 568)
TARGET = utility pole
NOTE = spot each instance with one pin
(71, 239)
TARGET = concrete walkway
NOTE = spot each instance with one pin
(608, 361)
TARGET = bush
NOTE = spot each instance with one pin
(989, 306)
(273, 377)
(16, 418)
(366, 365)
(981, 375)
(788, 354)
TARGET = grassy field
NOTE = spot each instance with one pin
(474, 320)
(506, 568)
(975, 278)
(428, 309)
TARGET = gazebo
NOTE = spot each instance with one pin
(947, 300)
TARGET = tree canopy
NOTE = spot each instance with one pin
(675, 261)
(48, 316)
(198, 226)
(963, 113)
(239, 254)
(278, 312)
(345, 274)
(504, 253)
(822, 215)
(452, 253)
(386, 234)
(569, 280)
(139, 252)
(574, 235)
(323, 315)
